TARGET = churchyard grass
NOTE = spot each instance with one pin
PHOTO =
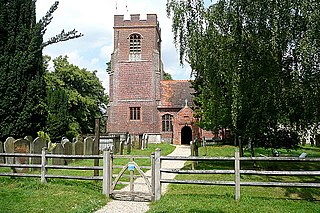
(58, 195)
(199, 198)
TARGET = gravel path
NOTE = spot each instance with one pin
(116, 206)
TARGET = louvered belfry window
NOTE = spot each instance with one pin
(135, 47)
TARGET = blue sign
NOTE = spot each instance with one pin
(130, 166)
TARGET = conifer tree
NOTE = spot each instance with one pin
(22, 85)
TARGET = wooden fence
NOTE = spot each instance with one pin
(44, 166)
(108, 181)
(237, 171)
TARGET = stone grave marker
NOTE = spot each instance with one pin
(36, 148)
(9, 148)
(78, 148)
(28, 138)
(1, 151)
(68, 147)
(58, 150)
(22, 146)
(88, 146)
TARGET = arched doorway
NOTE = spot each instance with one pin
(186, 135)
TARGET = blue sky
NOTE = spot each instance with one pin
(94, 18)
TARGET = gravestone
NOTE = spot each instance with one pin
(68, 151)
(36, 148)
(78, 148)
(88, 146)
(1, 151)
(318, 140)
(58, 150)
(21, 146)
(116, 143)
(28, 138)
(9, 148)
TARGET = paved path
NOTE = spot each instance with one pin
(117, 206)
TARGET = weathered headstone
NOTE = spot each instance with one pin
(58, 150)
(116, 143)
(9, 148)
(64, 140)
(88, 146)
(129, 144)
(22, 146)
(28, 138)
(1, 151)
(318, 140)
(36, 148)
(68, 147)
(78, 148)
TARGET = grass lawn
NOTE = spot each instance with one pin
(196, 198)
(29, 195)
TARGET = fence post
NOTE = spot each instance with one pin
(131, 177)
(192, 154)
(157, 175)
(43, 165)
(106, 187)
(237, 173)
(96, 145)
(152, 177)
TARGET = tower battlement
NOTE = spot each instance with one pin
(135, 20)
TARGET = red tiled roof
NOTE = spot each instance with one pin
(175, 92)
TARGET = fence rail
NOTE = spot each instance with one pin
(156, 169)
(43, 166)
(237, 172)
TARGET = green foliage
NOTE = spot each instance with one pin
(22, 107)
(22, 86)
(256, 64)
(43, 135)
(167, 76)
(75, 98)
(63, 36)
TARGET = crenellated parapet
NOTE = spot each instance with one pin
(120, 21)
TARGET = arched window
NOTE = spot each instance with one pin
(167, 123)
(135, 47)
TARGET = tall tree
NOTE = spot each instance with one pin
(22, 86)
(75, 98)
(256, 65)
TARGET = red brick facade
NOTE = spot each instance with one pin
(138, 97)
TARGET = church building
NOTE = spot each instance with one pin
(140, 100)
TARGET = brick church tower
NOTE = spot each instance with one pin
(136, 72)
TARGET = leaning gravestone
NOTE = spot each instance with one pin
(9, 148)
(36, 148)
(58, 150)
(1, 151)
(88, 146)
(67, 150)
(22, 146)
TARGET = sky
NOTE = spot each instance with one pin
(94, 19)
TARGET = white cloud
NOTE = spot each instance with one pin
(95, 20)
